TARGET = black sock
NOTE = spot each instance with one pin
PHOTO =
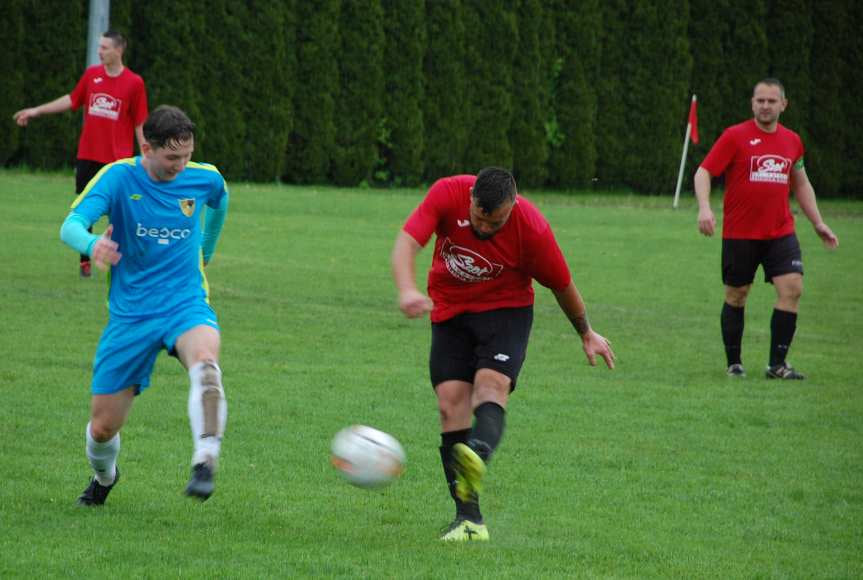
(469, 510)
(732, 332)
(487, 429)
(782, 327)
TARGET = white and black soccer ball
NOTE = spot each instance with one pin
(367, 457)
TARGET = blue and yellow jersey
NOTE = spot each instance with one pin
(157, 225)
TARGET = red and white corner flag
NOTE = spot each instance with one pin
(691, 132)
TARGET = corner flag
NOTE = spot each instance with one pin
(691, 131)
(693, 120)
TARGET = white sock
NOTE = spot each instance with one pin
(103, 457)
(208, 411)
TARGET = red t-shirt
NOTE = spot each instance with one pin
(113, 107)
(473, 275)
(757, 167)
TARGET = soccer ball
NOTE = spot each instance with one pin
(367, 457)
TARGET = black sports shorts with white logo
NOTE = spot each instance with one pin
(496, 339)
(741, 258)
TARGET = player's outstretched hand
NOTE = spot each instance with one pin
(827, 236)
(105, 250)
(706, 222)
(414, 303)
(24, 115)
(596, 344)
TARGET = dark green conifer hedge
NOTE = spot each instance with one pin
(398, 92)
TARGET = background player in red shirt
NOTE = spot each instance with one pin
(762, 160)
(115, 108)
(490, 244)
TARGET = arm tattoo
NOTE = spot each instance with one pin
(580, 324)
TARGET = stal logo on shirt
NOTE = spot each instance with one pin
(769, 168)
(467, 265)
(104, 105)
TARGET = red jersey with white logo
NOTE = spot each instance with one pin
(113, 107)
(473, 275)
(757, 167)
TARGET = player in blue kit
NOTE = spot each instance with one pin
(158, 295)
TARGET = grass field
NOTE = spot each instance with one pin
(661, 468)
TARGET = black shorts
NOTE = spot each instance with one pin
(85, 170)
(496, 339)
(741, 258)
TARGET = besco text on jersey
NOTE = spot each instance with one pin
(162, 233)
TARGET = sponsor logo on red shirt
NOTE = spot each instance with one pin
(467, 265)
(104, 105)
(769, 168)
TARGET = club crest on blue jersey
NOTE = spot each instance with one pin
(187, 206)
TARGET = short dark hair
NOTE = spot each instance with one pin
(493, 187)
(771, 82)
(117, 38)
(167, 125)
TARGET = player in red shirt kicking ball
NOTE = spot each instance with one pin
(762, 161)
(490, 244)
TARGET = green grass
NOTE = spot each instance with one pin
(661, 468)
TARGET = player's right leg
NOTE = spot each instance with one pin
(121, 369)
(455, 412)
(740, 259)
(102, 435)
(451, 366)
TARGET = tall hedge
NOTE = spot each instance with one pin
(563, 93)
(222, 118)
(746, 56)
(51, 66)
(789, 42)
(270, 31)
(12, 37)
(171, 65)
(826, 160)
(492, 37)
(445, 116)
(401, 138)
(657, 94)
(707, 32)
(851, 156)
(359, 107)
(530, 88)
(313, 137)
(573, 158)
(611, 106)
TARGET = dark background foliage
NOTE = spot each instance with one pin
(399, 92)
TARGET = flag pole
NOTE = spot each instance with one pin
(682, 160)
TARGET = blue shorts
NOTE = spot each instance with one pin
(128, 348)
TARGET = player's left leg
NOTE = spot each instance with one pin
(783, 325)
(198, 350)
(490, 395)
(783, 266)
